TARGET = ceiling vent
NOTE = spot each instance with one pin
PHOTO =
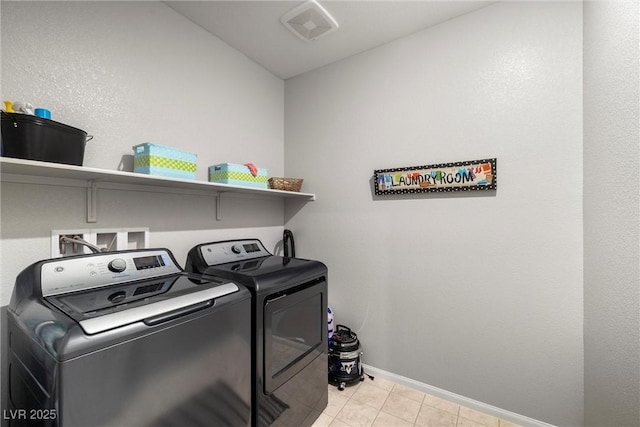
(309, 21)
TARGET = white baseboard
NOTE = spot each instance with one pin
(456, 398)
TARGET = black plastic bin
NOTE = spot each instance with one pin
(33, 138)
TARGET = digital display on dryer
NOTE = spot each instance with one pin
(143, 263)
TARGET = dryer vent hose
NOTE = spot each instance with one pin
(288, 244)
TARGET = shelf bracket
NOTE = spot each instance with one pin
(92, 201)
(219, 207)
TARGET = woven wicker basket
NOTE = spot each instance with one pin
(287, 184)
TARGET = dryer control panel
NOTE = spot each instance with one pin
(63, 275)
(233, 250)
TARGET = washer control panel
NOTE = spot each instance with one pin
(60, 276)
(223, 252)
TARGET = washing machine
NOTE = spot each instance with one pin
(289, 326)
(127, 339)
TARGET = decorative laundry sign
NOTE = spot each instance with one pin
(443, 177)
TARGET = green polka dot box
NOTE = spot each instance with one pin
(156, 159)
(231, 173)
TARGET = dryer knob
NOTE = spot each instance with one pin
(117, 265)
(236, 249)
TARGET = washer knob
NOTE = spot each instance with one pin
(236, 249)
(117, 297)
(117, 265)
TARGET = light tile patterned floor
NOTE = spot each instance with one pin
(384, 403)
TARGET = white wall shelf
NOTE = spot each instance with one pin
(29, 171)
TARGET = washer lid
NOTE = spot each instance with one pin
(99, 310)
(149, 311)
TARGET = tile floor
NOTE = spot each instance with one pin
(383, 403)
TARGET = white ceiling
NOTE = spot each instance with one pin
(254, 28)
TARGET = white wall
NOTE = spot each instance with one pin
(134, 72)
(479, 295)
(128, 73)
(612, 213)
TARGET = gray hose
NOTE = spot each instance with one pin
(81, 241)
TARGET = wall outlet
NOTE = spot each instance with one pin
(67, 242)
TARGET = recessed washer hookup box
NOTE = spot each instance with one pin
(231, 173)
(156, 159)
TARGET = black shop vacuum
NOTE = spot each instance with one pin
(345, 358)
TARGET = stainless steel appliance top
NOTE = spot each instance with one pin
(105, 291)
(64, 275)
(246, 261)
(233, 250)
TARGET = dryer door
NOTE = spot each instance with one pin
(295, 332)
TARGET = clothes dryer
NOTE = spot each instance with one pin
(289, 326)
